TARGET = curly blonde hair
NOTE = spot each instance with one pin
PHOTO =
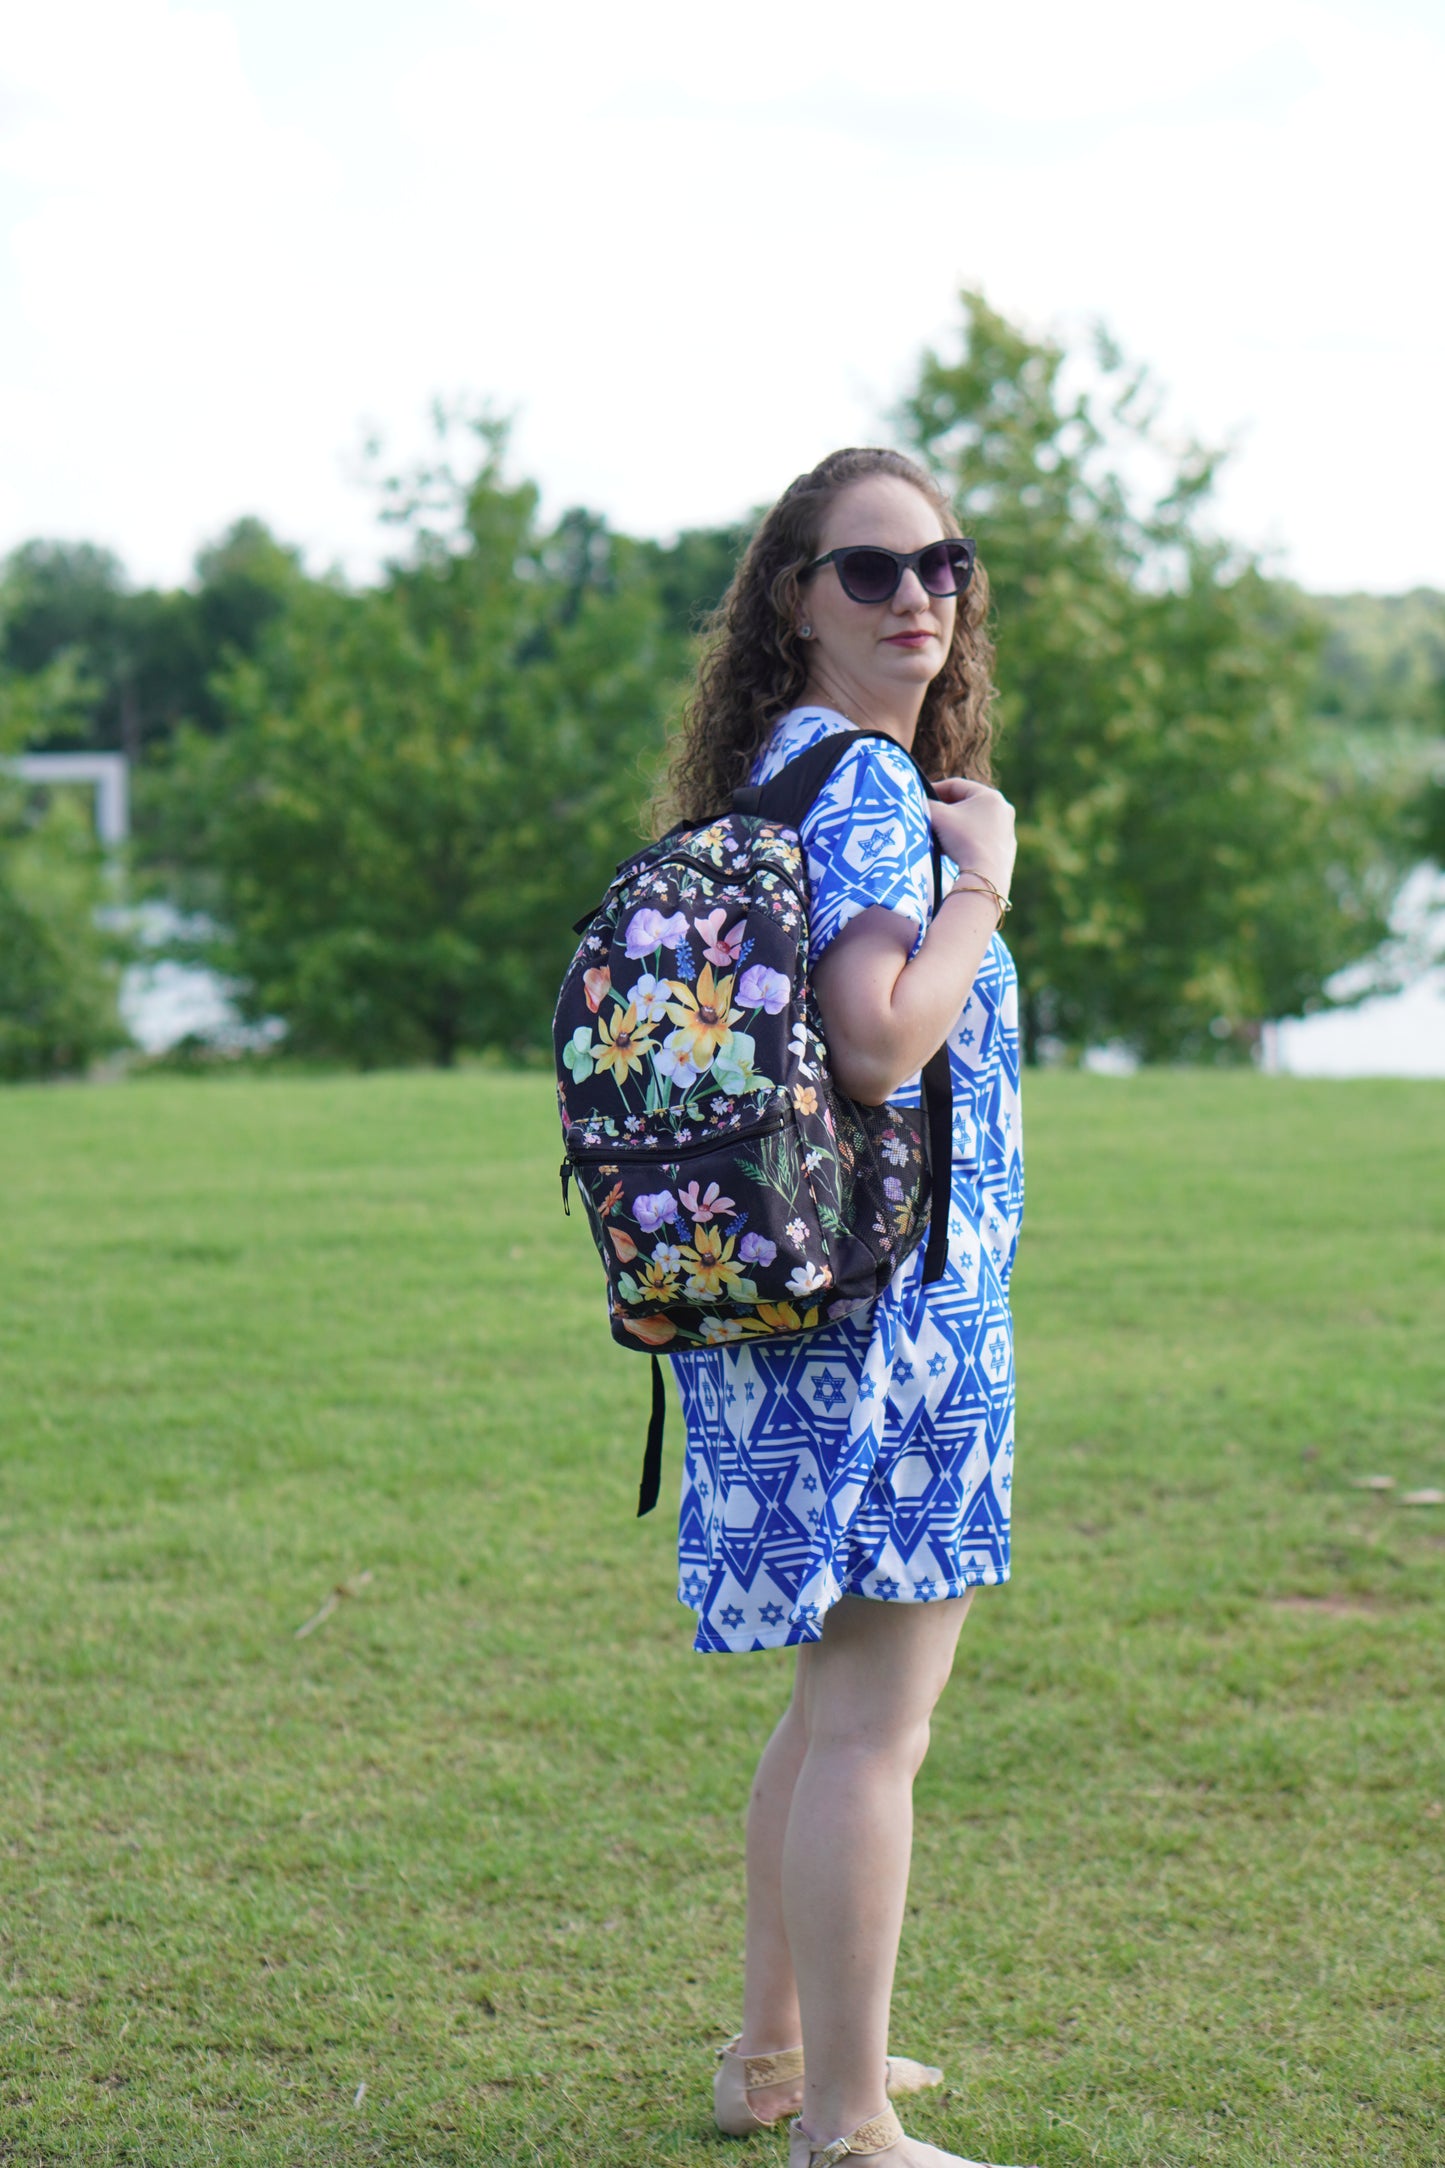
(754, 666)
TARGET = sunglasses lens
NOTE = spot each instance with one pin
(944, 569)
(868, 575)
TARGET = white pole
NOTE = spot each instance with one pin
(109, 773)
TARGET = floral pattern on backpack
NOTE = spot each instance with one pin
(732, 1192)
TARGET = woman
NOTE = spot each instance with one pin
(846, 1491)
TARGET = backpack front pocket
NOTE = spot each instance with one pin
(708, 1240)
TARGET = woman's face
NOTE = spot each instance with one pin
(874, 655)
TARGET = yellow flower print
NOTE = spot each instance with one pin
(704, 1017)
(712, 1270)
(657, 1283)
(805, 1099)
(622, 1047)
(782, 1317)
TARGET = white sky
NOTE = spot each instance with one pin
(694, 248)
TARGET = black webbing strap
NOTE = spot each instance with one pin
(937, 1083)
(652, 1457)
(786, 799)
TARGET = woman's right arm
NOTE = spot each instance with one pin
(884, 1012)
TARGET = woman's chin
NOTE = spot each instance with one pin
(911, 665)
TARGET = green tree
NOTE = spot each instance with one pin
(1383, 662)
(148, 655)
(1192, 860)
(58, 967)
(420, 785)
(691, 573)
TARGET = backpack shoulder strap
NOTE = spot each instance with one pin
(787, 797)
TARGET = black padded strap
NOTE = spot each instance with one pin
(652, 1458)
(792, 790)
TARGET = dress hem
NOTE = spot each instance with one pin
(798, 1632)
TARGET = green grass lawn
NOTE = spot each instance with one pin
(455, 1877)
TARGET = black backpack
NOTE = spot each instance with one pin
(733, 1192)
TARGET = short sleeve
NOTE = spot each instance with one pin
(869, 843)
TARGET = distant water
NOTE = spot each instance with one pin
(1392, 1035)
(1401, 1033)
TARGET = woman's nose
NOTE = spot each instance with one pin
(911, 594)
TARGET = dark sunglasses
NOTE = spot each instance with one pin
(870, 573)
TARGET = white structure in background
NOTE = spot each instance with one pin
(164, 1002)
(107, 772)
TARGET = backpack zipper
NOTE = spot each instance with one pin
(578, 1155)
(704, 865)
(679, 858)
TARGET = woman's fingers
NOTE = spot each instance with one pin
(975, 825)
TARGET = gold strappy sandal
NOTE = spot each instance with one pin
(877, 2135)
(874, 2139)
(740, 2075)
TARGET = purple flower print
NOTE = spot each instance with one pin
(648, 930)
(760, 988)
(644, 933)
(757, 1250)
(652, 1212)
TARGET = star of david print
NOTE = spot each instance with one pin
(873, 1457)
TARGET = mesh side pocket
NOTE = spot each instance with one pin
(890, 1184)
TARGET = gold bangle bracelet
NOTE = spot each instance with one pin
(972, 883)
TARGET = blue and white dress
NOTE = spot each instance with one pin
(873, 1457)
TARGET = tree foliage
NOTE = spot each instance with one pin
(147, 656)
(393, 801)
(420, 785)
(58, 967)
(1189, 865)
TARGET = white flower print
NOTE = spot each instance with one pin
(676, 1065)
(649, 997)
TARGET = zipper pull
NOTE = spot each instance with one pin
(566, 1173)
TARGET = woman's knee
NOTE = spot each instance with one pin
(852, 1712)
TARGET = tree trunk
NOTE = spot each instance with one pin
(446, 1039)
(130, 723)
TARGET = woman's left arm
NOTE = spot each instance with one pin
(884, 1012)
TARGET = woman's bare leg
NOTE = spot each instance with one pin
(770, 1992)
(868, 1689)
